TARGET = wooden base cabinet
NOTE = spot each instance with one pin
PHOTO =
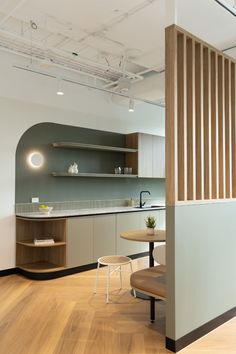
(40, 258)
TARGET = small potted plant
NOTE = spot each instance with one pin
(150, 222)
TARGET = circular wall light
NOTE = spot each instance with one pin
(35, 159)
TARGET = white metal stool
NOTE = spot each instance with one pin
(112, 261)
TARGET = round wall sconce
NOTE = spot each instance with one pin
(35, 159)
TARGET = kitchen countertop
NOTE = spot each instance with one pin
(86, 212)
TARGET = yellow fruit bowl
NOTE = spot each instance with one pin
(45, 209)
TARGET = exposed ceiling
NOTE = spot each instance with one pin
(116, 45)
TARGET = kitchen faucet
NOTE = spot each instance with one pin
(141, 203)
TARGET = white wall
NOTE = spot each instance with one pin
(27, 99)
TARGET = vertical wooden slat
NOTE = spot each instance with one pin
(220, 128)
(201, 121)
(181, 59)
(227, 130)
(213, 127)
(190, 118)
(198, 119)
(171, 115)
(206, 119)
(233, 127)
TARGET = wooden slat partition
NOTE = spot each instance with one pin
(200, 120)
(233, 127)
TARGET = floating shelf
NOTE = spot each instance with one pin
(69, 145)
(40, 267)
(66, 174)
(30, 243)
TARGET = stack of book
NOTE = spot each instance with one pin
(43, 241)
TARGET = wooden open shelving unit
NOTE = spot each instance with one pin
(74, 145)
(40, 258)
(66, 174)
(71, 145)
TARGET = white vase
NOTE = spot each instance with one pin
(150, 231)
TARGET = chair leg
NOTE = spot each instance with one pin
(108, 283)
(120, 278)
(96, 280)
(152, 309)
(131, 270)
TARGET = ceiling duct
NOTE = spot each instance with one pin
(123, 84)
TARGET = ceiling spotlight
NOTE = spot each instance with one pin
(60, 91)
(131, 105)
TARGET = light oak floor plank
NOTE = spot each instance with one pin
(63, 316)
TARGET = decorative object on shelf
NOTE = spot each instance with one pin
(45, 209)
(150, 222)
(118, 170)
(73, 168)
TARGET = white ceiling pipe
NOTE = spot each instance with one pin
(16, 7)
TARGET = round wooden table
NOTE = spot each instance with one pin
(142, 236)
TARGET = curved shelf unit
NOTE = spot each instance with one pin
(42, 258)
(70, 145)
(30, 243)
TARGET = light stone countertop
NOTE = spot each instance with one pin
(84, 212)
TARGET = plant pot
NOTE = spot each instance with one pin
(150, 231)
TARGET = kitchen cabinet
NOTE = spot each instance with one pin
(104, 242)
(80, 241)
(149, 160)
(128, 221)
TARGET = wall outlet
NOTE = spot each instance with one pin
(35, 200)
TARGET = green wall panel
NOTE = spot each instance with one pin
(40, 183)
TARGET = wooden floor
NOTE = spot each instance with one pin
(63, 316)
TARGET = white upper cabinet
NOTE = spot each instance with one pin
(149, 161)
(158, 156)
(145, 155)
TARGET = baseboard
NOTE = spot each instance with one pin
(66, 271)
(10, 271)
(139, 255)
(57, 274)
(177, 345)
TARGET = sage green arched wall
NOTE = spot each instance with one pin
(39, 182)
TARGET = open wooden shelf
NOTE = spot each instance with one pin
(71, 145)
(41, 258)
(30, 243)
(86, 174)
(40, 267)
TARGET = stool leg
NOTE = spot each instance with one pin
(120, 278)
(131, 270)
(96, 280)
(108, 283)
(152, 309)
